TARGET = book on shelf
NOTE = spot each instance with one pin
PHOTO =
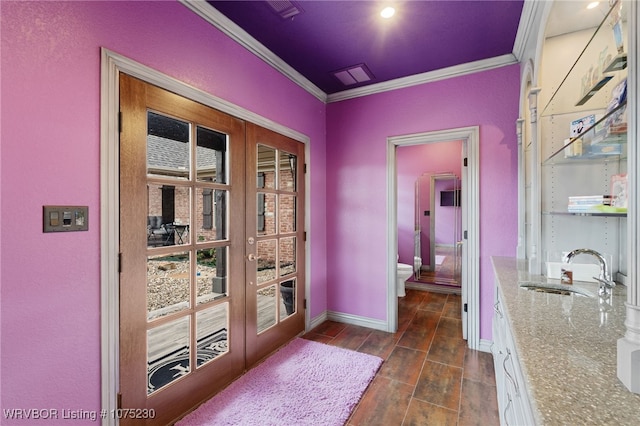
(590, 199)
(588, 203)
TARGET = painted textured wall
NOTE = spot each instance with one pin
(411, 163)
(356, 179)
(50, 154)
(50, 295)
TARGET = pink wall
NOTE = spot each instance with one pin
(50, 294)
(356, 179)
(411, 163)
(50, 283)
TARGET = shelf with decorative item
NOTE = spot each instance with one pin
(619, 62)
(602, 139)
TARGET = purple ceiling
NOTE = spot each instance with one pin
(423, 36)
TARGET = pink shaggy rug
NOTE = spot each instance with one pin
(304, 383)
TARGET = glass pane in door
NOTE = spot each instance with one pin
(168, 353)
(266, 214)
(211, 214)
(266, 260)
(168, 284)
(287, 298)
(287, 255)
(266, 167)
(212, 328)
(211, 157)
(168, 214)
(287, 172)
(168, 153)
(287, 213)
(212, 274)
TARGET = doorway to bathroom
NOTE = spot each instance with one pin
(465, 143)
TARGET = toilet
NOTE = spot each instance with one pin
(404, 272)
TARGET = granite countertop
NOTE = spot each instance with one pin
(567, 350)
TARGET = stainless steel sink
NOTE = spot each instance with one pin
(554, 288)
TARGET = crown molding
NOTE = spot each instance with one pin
(427, 77)
(228, 27)
(526, 26)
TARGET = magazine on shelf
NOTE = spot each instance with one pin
(619, 190)
(580, 125)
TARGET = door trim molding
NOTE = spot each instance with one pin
(470, 222)
(111, 65)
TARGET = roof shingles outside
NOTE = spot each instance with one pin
(171, 155)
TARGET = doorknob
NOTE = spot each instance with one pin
(251, 257)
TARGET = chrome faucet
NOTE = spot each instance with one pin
(606, 283)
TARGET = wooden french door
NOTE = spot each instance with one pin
(275, 241)
(192, 256)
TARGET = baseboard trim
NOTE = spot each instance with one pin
(317, 321)
(485, 345)
(357, 320)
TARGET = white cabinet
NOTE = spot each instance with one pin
(513, 400)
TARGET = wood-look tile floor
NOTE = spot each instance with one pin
(429, 376)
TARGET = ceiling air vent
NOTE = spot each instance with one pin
(353, 74)
(286, 9)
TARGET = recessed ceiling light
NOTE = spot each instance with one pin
(593, 5)
(387, 12)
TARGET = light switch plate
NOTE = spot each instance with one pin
(65, 218)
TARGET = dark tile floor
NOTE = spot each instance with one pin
(429, 376)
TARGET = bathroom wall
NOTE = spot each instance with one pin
(412, 162)
(50, 60)
(357, 130)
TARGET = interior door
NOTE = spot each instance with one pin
(182, 243)
(465, 281)
(275, 241)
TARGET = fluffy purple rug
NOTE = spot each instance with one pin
(304, 383)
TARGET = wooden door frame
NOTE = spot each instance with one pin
(112, 64)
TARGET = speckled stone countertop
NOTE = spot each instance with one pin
(567, 351)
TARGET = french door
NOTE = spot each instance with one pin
(212, 263)
(275, 242)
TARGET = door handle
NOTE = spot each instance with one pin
(251, 257)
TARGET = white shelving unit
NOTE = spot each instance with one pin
(579, 74)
